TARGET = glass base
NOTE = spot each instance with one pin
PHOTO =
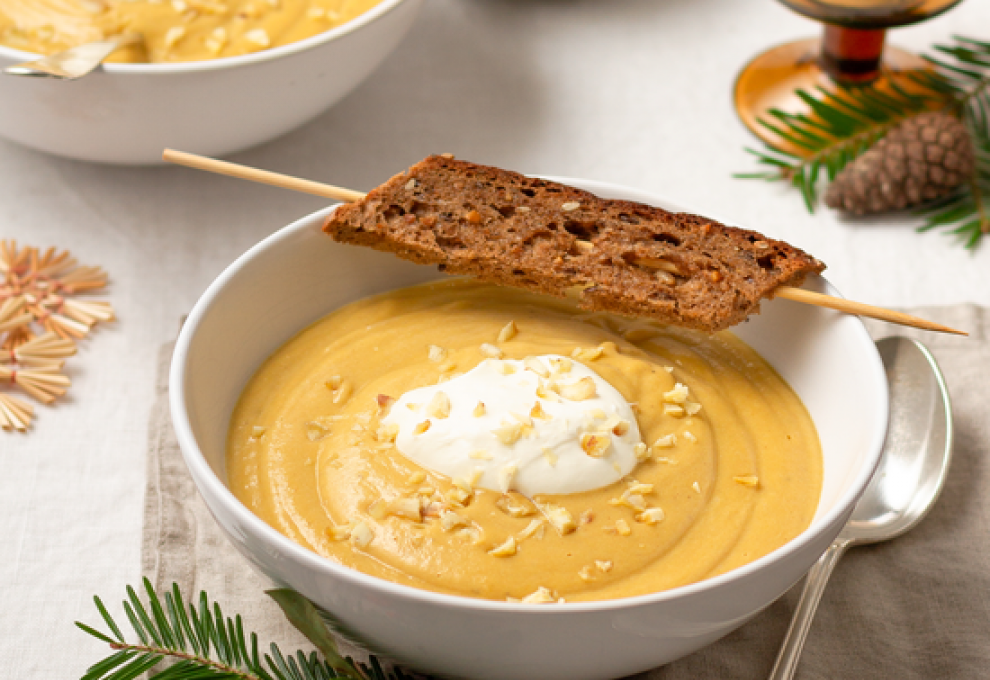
(769, 81)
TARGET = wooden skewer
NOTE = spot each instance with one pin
(263, 176)
(349, 195)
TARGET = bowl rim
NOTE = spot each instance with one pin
(222, 63)
(203, 474)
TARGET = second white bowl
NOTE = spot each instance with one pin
(129, 113)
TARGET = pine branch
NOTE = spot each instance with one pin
(200, 643)
(845, 123)
(842, 125)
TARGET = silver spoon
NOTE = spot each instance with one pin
(74, 62)
(912, 471)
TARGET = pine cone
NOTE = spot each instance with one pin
(921, 159)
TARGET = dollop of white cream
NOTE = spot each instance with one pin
(571, 442)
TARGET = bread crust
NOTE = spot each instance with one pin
(625, 257)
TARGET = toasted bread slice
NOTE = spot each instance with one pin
(623, 257)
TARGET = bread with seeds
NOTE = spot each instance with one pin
(625, 257)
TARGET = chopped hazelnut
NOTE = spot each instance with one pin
(491, 351)
(747, 480)
(422, 427)
(578, 391)
(678, 395)
(533, 529)
(588, 354)
(439, 406)
(387, 433)
(339, 533)
(508, 332)
(436, 354)
(560, 518)
(540, 596)
(384, 403)
(407, 508)
(515, 505)
(536, 366)
(650, 516)
(639, 487)
(506, 475)
(450, 520)
(479, 410)
(506, 549)
(622, 527)
(258, 36)
(508, 433)
(595, 445)
(635, 501)
(361, 535)
(174, 35)
(665, 442)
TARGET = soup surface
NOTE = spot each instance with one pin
(171, 30)
(727, 464)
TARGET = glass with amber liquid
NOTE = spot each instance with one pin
(851, 52)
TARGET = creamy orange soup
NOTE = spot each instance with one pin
(728, 467)
(171, 30)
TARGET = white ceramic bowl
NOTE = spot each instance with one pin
(298, 275)
(128, 113)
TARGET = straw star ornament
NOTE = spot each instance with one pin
(41, 317)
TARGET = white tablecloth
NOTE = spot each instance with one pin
(635, 92)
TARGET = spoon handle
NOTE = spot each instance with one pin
(814, 585)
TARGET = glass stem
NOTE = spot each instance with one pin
(852, 56)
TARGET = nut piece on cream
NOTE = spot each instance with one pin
(511, 391)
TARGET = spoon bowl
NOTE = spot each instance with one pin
(912, 470)
(74, 62)
(915, 459)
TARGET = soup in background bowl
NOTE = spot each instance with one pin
(127, 113)
(298, 275)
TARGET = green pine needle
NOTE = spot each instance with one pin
(846, 122)
(180, 641)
